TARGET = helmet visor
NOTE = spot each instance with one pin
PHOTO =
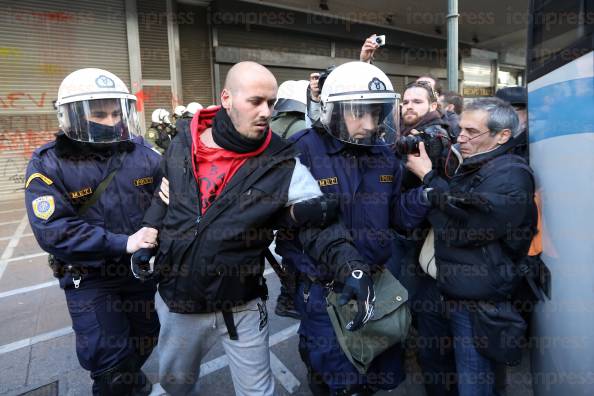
(100, 120)
(365, 122)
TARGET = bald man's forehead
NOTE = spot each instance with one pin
(243, 71)
(255, 85)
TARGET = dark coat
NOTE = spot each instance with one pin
(62, 175)
(479, 241)
(215, 262)
(366, 180)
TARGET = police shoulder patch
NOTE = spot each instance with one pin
(44, 207)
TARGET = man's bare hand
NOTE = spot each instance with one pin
(314, 86)
(146, 237)
(420, 164)
(164, 191)
(368, 49)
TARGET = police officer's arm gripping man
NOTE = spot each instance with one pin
(58, 228)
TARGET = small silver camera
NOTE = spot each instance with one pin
(380, 40)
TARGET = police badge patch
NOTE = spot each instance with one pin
(376, 85)
(44, 207)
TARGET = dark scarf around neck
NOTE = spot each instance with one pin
(226, 136)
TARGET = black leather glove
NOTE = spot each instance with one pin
(140, 264)
(358, 286)
(315, 212)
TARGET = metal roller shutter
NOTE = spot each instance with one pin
(397, 83)
(196, 58)
(269, 39)
(154, 48)
(42, 42)
(287, 73)
(154, 55)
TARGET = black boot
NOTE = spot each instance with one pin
(285, 306)
(124, 379)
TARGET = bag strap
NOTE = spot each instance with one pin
(288, 128)
(102, 186)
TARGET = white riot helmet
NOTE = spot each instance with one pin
(160, 116)
(357, 102)
(292, 96)
(192, 108)
(95, 106)
(179, 111)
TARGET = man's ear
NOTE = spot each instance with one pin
(504, 136)
(433, 106)
(226, 99)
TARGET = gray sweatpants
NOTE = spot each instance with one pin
(186, 338)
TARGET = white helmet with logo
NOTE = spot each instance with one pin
(192, 108)
(357, 102)
(95, 106)
(160, 116)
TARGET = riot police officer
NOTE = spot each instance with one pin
(86, 193)
(161, 131)
(350, 156)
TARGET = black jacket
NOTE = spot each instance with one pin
(215, 262)
(484, 223)
(453, 121)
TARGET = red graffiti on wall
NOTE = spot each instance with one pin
(22, 100)
(23, 143)
(141, 97)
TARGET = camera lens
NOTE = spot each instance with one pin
(378, 40)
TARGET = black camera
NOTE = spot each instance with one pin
(436, 142)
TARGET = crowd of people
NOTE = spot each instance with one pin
(358, 185)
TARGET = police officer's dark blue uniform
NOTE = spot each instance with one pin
(367, 181)
(112, 313)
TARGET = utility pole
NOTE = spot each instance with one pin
(453, 45)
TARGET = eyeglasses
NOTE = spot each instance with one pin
(467, 138)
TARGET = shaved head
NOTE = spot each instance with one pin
(248, 96)
(243, 73)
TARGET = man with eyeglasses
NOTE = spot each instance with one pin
(483, 220)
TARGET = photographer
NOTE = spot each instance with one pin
(483, 221)
(421, 122)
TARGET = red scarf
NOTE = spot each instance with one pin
(214, 167)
